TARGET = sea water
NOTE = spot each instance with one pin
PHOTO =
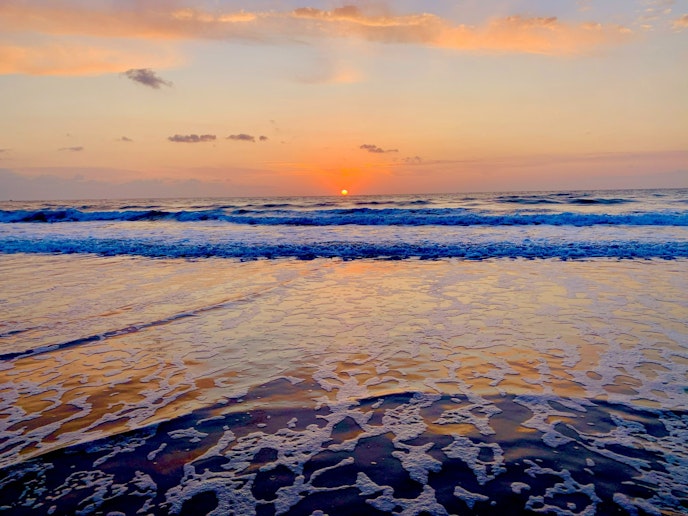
(432, 354)
(622, 224)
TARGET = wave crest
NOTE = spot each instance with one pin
(353, 216)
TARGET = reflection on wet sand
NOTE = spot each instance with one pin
(288, 387)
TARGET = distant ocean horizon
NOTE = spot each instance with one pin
(517, 353)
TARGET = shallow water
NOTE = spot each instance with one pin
(289, 387)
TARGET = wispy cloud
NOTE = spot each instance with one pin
(124, 139)
(681, 22)
(71, 149)
(158, 22)
(147, 77)
(375, 149)
(63, 57)
(191, 138)
(243, 137)
(654, 14)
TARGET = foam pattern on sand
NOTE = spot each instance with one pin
(353, 387)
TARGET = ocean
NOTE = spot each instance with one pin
(513, 353)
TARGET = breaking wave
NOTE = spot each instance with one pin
(352, 216)
(352, 250)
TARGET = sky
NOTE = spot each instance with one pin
(187, 98)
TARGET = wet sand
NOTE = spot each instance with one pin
(288, 387)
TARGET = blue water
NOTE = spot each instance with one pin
(276, 369)
(566, 225)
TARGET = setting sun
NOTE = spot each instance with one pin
(345, 192)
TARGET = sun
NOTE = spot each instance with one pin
(345, 192)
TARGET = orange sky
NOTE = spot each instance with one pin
(152, 98)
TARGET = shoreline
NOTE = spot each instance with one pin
(291, 386)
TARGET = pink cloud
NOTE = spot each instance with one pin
(516, 34)
(540, 35)
(681, 22)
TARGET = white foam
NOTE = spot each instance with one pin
(416, 461)
(469, 497)
(519, 487)
(469, 452)
(365, 485)
(567, 486)
(545, 418)
(233, 495)
(632, 505)
(405, 421)
(124, 445)
(466, 415)
(425, 503)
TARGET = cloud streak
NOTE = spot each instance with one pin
(147, 77)
(71, 149)
(243, 137)
(375, 149)
(191, 138)
(157, 22)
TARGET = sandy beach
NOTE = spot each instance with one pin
(286, 386)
